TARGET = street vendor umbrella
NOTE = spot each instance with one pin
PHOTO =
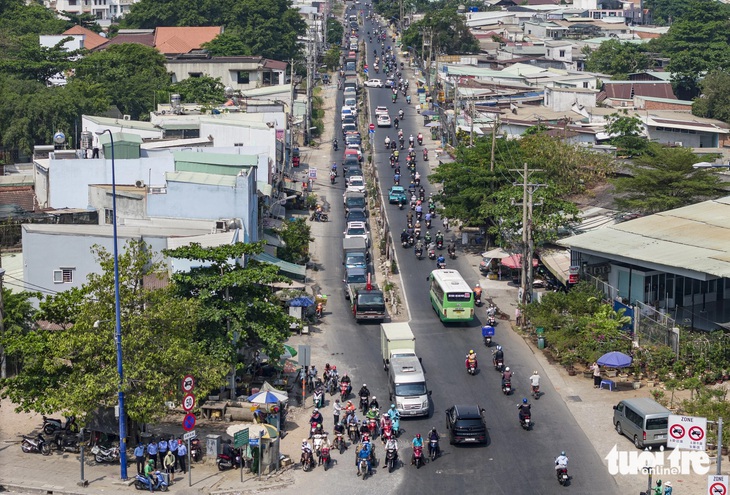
(615, 359)
(289, 352)
(301, 302)
(264, 397)
(269, 431)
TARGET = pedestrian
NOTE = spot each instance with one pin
(169, 463)
(336, 409)
(172, 445)
(139, 457)
(182, 452)
(152, 450)
(95, 146)
(446, 224)
(596, 374)
(657, 488)
(518, 316)
(162, 449)
(668, 488)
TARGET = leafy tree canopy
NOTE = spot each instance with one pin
(663, 179)
(664, 12)
(130, 72)
(204, 90)
(27, 59)
(627, 133)
(75, 368)
(19, 19)
(296, 236)
(715, 99)
(335, 31)
(450, 33)
(617, 59)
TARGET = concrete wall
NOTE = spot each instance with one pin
(227, 134)
(211, 202)
(227, 71)
(562, 101)
(697, 140)
(69, 179)
(121, 126)
(130, 204)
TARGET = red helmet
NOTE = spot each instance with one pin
(334, 367)
(418, 435)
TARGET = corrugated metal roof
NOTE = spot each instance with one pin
(229, 159)
(202, 178)
(207, 240)
(695, 237)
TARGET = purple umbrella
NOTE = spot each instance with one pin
(615, 359)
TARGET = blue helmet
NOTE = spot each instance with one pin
(524, 400)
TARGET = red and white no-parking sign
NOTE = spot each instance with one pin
(717, 485)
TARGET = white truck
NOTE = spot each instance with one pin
(396, 341)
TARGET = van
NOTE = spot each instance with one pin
(355, 249)
(642, 420)
(351, 102)
(407, 386)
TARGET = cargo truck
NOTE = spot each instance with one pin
(396, 340)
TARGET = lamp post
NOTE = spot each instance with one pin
(118, 322)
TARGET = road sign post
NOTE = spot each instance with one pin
(188, 403)
(372, 127)
(687, 432)
(240, 438)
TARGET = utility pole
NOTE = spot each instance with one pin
(400, 17)
(495, 127)
(287, 165)
(3, 357)
(310, 78)
(528, 246)
(471, 130)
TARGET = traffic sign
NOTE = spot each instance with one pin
(253, 442)
(371, 132)
(372, 127)
(188, 422)
(240, 438)
(188, 383)
(312, 173)
(188, 402)
(189, 435)
(687, 432)
(717, 485)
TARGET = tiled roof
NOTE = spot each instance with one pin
(146, 39)
(91, 39)
(627, 90)
(23, 197)
(174, 40)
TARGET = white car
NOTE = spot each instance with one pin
(356, 184)
(383, 121)
(357, 229)
(381, 111)
(345, 111)
(373, 83)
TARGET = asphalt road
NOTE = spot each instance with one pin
(514, 461)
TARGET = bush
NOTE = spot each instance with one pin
(296, 236)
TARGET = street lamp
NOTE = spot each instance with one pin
(118, 322)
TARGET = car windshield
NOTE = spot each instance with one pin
(355, 202)
(356, 216)
(356, 279)
(370, 299)
(356, 182)
(356, 259)
(404, 389)
(469, 423)
(356, 231)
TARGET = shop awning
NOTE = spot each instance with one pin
(498, 253)
(558, 263)
(515, 261)
(290, 269)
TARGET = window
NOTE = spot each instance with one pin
(63, 276)
(585, 84)
(266, 78)
(72, 3)
(108, 216)
(562, 53)
(548, 52)
(195, 74)
(243, 77)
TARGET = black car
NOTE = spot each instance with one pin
(357, 215)
(466, 424)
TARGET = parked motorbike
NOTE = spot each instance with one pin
(507, 387)
(224, 461)
(143, 483)
(105, 454)
(35, 445)
(418, 459)
(67, 442)
(562, 474)
(51, 425)
(391, 459)
(196, 451)
(526, 422)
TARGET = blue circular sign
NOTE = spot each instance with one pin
(188, 422)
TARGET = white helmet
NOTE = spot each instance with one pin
(507, 368)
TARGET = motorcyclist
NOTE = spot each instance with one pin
(346, 379)
(497, 354)
(393, 413)
(335, 144)
(364, 453)
(332, 176)
(439, 237)
(433, 435)
(524, 410)
(417, 178)
(418, 248)
(404, 236)
(306, 449)
(364, 393)
(561, 461)
(400, 114)
(428, 237)
(387, 141)
(451, 248)
(316, 418)
(392, 444)
(410, 140)
(491, 310)
(420, 137)
(477, 292)
(506, 376)
(535, 379)
(319, 441)
(374, 404)
(417, 442)
(427, 218)
(440, 260)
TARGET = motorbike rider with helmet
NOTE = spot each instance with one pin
(433, 435)
(417, 442)
(506, 376)
(478, 293)
(440, 261)
(346, 379)
(315, 419)
(524, 409)
(374, 404)
(471, 358)
(306, 449)
(403, 236)
(392, 444)
(497, 355)
(535, 380)
(561, 461)
(364, 393)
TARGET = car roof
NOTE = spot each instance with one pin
(397, 188)
(356, 210)
(356, 225)
(468, 411)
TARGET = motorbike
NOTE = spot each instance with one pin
(318, 311)
(51, 425)
(362, 468)
(104, 454)
(440, 244)
(334, 145)
(404, 243)
(396, 181)
(67, 442)
(428, 223)
(478, 299)
(441, 265)
(391, 458)
(372, 427)
(387, 143)
(487, 333)
(420, 141)
(536, 391)
(471, 366)
(433, 448)
(562, 474)
(432, 254)
(418, 459)
(425, 155)
(491, 320)
(325, 457)
(419, 253)
(332, 179)
(143, 483)
(196, 451)
(364, 402)
(395, 123)
(526, 422)
(499, 364)
(339, 443)
(353, 431)
(318, 398)
(35, 445)
(452, 254)
(507, 387)
(401, 204)
(224, 461)
(408, 99)
(307, 461)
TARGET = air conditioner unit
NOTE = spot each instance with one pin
(221, 225)
(139, 183)
(127, 117)
(678, 143)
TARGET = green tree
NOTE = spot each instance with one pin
(19, 19)
(664, 12)
(17, 321)
(627, 132)
(237, 307)
(335, 31)
(714, 102)
(148, 14)
(74, 368)
(228, 44)
(204, 90)
(663, 179)
(86, 20)
(696, 43)
(617, 59)
(27, 59)
(332, 58)
(296, 236)
(450, 33)
(130, 72)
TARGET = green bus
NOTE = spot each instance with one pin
(451, 296)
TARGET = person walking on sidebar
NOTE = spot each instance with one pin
(596, 368)
(139, 457)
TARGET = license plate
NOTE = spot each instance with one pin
(458, 311)
(409, 413)
(660, 437)
(470, 439)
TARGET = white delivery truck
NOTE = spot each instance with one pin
(396, 340)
